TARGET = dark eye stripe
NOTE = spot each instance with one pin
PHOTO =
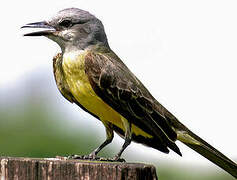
(66, 23)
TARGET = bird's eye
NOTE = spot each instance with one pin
(66, 23)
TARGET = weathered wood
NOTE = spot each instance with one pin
(58, 169)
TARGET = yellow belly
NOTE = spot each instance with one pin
(73, 66)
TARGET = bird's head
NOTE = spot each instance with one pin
(71, 28)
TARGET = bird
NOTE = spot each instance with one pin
(88, 73)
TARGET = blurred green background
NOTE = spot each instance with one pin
(36, 121)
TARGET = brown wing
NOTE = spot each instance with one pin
(118, 87)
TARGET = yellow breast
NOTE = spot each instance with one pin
(74, 69)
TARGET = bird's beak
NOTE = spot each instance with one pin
(46, 29)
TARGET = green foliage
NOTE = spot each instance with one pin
(32, 132)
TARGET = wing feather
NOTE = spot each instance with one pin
(118, 87)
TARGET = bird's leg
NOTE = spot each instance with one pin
(109, 138)
(93, 154)
(128, 139)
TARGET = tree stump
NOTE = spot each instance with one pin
(59, 169)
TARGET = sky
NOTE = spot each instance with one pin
(183, 51)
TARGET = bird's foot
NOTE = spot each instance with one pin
(118, 159)
(93, 157)
(84, 157)
(114, 159)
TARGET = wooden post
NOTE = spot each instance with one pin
(59, 169)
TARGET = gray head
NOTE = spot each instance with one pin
(72, 28)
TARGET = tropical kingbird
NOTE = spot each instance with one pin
(90, 74)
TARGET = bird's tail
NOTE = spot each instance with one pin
(199, 145)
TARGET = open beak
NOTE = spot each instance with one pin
(46, 29)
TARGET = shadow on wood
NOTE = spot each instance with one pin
(57, 169)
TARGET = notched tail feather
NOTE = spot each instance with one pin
(199, 145)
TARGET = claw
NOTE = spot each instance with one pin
(84, 157)
(93, 157)
(118, 159)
